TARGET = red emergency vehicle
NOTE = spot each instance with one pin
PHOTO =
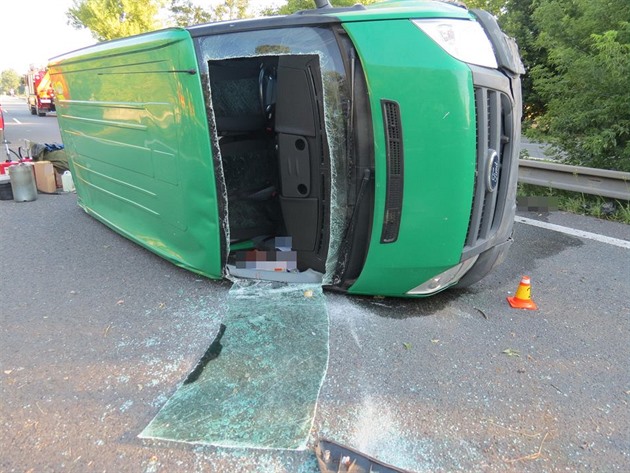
(41, 96)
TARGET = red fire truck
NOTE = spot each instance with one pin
(41, 97)
(1, 129)
(1, 124)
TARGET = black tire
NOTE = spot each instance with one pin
(33, 111)
(487, 261)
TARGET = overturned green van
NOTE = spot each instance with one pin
(372, 149)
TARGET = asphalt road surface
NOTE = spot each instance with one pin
(96, 334)
(20, 125)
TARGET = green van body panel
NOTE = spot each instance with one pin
(435, 93)
(403, 9)
(176, 138)
(134, 125)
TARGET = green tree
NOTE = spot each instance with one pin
(232, 9)
(516, 20)
(186, 12)
(585, 81)
(576, 92)
(9, 79)
(496, 7)
(110, 19)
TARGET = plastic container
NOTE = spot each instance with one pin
(67, 182)
(23, 182)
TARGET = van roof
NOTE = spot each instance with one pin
(393, 9)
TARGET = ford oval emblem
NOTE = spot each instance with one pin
(492, 171)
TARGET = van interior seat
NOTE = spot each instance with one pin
(251, 180)
(244, 96)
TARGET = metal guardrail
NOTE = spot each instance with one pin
(602, 182)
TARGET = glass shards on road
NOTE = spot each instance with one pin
(257, 384)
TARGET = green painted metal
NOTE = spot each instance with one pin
(133, 121)
(400, 9)
(436, 98)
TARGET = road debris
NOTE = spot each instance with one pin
(336, 458)
(511, 352)
(533, 456)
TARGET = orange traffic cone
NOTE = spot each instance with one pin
(523, 298)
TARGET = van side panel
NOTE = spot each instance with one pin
(133, 122)
(435, 96)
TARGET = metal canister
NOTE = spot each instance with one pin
(23, 182)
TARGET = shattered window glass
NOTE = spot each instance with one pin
(294, 41)
(258, 383)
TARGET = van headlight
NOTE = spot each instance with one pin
(443, 280)
(463, 39)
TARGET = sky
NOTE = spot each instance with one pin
(33, 31)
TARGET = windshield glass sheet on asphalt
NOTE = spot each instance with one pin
(258, 383)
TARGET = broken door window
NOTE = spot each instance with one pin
(277, 104)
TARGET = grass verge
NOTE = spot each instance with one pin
(539, 198)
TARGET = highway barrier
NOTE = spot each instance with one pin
(602, 182)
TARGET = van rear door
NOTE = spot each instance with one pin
(134, 125)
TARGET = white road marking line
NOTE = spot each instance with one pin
(17, 121)
(574, 232)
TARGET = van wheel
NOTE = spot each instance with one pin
(33, 111)
(39, 112)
